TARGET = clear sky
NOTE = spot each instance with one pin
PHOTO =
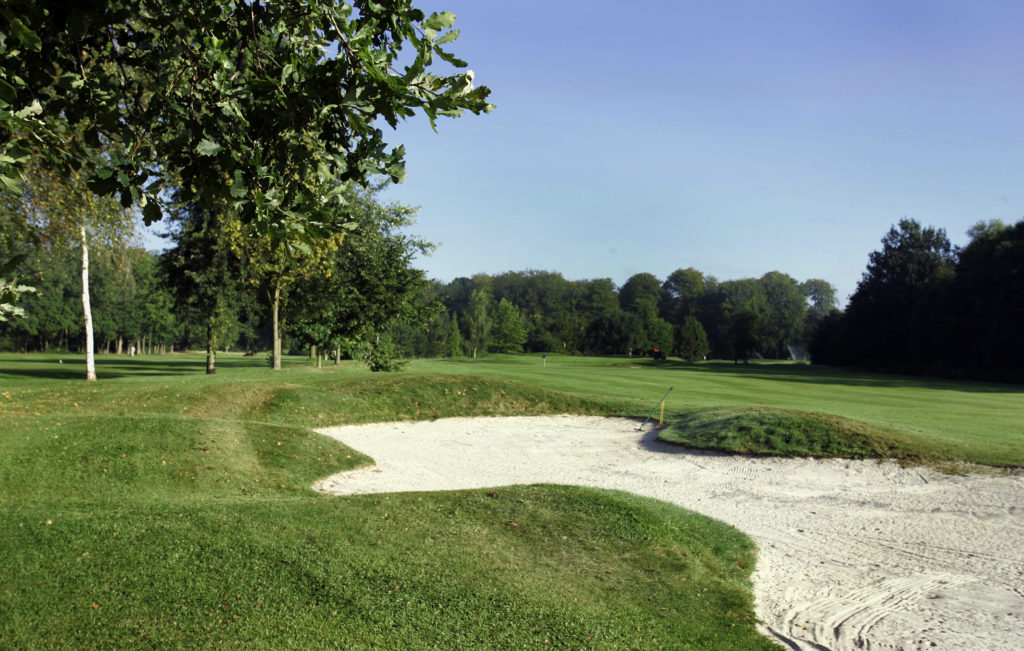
(734, 137)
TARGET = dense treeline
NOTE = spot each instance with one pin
(690, 315)
(922, 305)
(358, 295)
(355, 293)
(926, 307)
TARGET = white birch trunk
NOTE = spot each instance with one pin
(276, 355)
(90, 355)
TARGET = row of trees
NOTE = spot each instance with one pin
(218, 286)
(689, 314)
(924, 306)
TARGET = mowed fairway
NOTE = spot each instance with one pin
(163, 507)
(971, 421)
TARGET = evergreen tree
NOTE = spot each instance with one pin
(691, 342)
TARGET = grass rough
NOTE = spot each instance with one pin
(175, 511)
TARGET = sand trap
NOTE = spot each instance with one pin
(853, 554)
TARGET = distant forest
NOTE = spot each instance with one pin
(922, 306)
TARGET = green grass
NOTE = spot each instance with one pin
(163, 507)
(936, 421)
(787, 433)
(174, 510)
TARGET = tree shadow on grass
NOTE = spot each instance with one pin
(816, 374)
(72, 367)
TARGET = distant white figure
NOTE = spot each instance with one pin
(131, 351)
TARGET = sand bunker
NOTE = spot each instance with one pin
(853, 554)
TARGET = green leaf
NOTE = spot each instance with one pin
(207, 147)
(35, 108)
(20, 31)
(287, 72)
(103, 186)
(238, 188)
(8, 93)
(11, 184)
(440, 21)
(452, 59)
(151, 213)
(18, 153)
(448, 38)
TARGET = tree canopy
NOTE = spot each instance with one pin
(925, 307)
(266, 107)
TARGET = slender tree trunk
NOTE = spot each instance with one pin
(276, 355)
(211, 354)
(337, 355)
(90, 354)
(313, 352)
(319, 360)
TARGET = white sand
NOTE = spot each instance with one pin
(853, 554)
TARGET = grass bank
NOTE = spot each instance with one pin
(163, 507)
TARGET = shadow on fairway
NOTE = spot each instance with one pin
(808, 374)
(73, 367)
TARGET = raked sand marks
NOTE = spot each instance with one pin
(853, 554)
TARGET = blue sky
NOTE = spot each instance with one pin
(734, 137)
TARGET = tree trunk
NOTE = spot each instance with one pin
(211, 354)
(276, 355)
(90, 354)
(119, 347)
(319, 360)
(337, 355)
(313, 353)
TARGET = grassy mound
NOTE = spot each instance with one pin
(786, 433)
(177, 512)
